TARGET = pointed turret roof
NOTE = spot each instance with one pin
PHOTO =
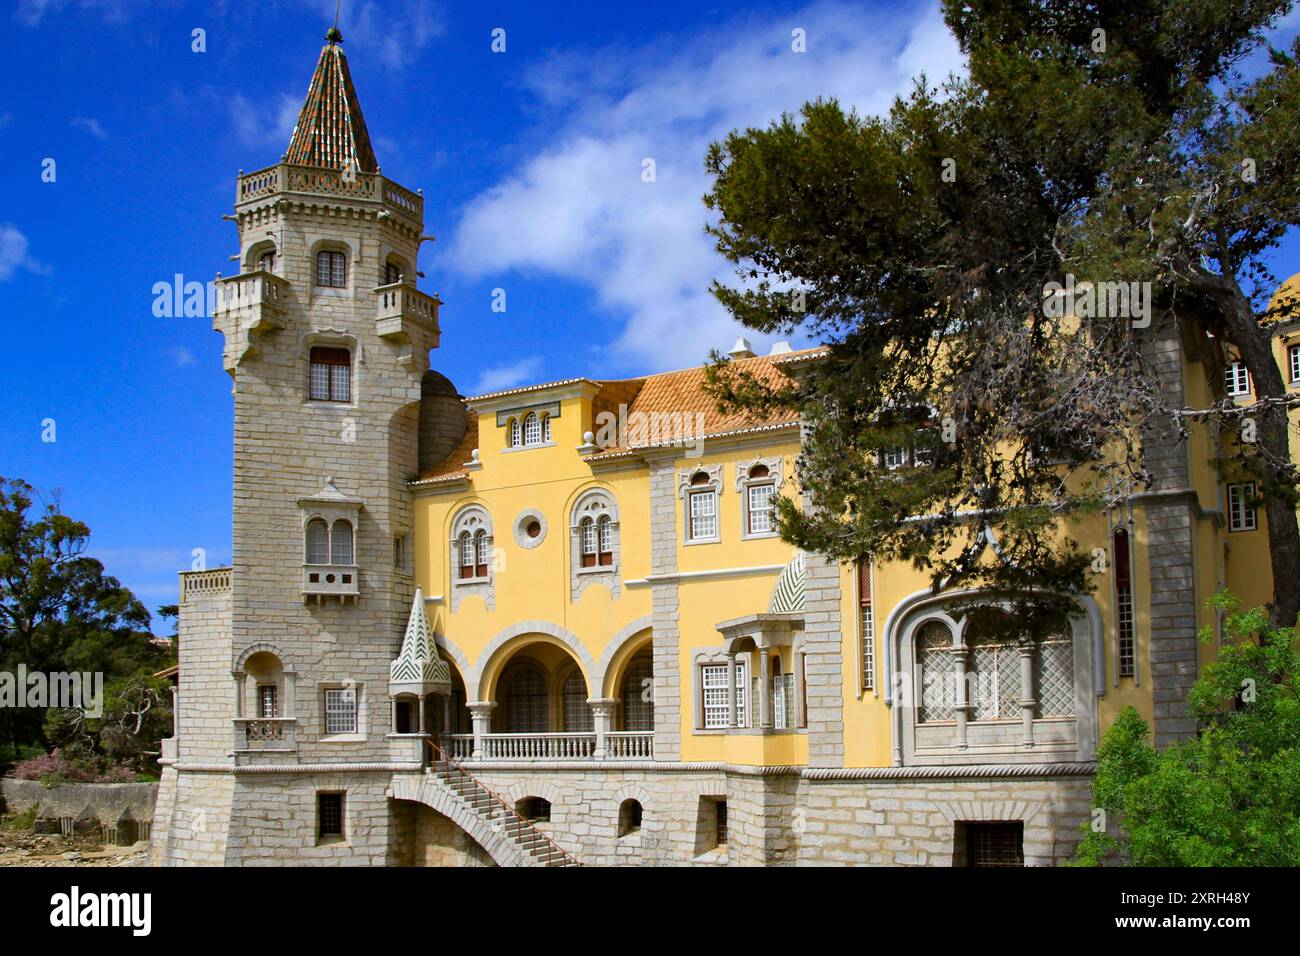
(419, 668)
(331, 131)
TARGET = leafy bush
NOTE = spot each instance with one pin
(65, 767)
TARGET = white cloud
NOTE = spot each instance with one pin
(392, 33)
(268, 122)
(90, 125)
(32, 12)
(181, 355)
(507, 376)
(577, 207)
(13, 253)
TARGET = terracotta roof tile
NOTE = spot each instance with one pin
(331, 132)
(453, 466)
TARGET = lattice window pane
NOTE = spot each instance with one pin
(341, 383)
(704, 514)
(588, 536)
(532, 429)
(341, 543)
(1241, 516)
(716, 704)
(516, 433)
(638, 696)
(868, 625)
(330, 813)
(938, 673)
(526, 703)
(783, 701)
(994, 679)
(318, 546)
(338, 270)
(606, 535)
(577, 712)
(546, 428)
(762, 512)
(1054, 677)
(484, 549)
(320, 382)
(267, 705)
(341, 711)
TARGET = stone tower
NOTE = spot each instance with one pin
(284, 690)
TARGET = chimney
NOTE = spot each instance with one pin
(742, 349)
(780, 348)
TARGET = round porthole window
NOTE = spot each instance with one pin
(530, 529)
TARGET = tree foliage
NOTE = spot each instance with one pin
(918, 245)
(1231, 795)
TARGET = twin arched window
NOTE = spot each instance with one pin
(532, 429)
(597, 541)
(475, 550)
(329, 544)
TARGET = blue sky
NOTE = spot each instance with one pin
(530, 162)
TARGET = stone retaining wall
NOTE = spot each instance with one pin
(120, 813)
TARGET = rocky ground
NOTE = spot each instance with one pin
(25, 848)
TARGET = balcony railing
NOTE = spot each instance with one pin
(196, 584)
(630, 745)
(320, 581)
(401, 309)
(623, 745)
(265, 733)
(243, 292)
(340, 184)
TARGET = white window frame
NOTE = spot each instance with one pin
(766, 509)
(1241, 516)
(1237, 379)
(702, 495)
(1293, 362)
(709, 672)
(532, 430)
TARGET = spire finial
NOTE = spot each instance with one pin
(335, 35)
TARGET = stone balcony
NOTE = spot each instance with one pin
(288, 181)
(275, 734)
(322, 581)
(248, 305)
(611, 745)
(197, 585)
(404, 314)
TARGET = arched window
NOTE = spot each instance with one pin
(516, 433)
(266, 261)
(466, 549)
(1123, 603)
(331, 375)
(532, 429)
(1054, 675)
(605, 540)
(629, 817)
(637, 693)
(577, 712)
(392, 272)
(318, 542)
(481, 551)
(702, 513)
(341, 543)
(331, 269)
(546, 428)
(534, 808)
(938, 674)
(525, 700)
(760, 502)
(993, 670)
(589, 543)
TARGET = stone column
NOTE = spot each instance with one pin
(764, 689)
(1027, 701)
(960, 657)
(419, 705)
(602, 715)
(731, 691)
(480, 712)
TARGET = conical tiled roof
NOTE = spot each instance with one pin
(331, 131)
(419, 668)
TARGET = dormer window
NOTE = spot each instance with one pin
(331, 375)
(331, 269)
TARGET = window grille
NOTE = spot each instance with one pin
(866, 625)
(1241, 516)
(329, 812)
(938, 673)
(1054, 676)
(721, 809)
(318, 542)
(1124, 618)
(340, 711)
(994, 678)
(267, 706)
(341, 543)
(638, 697)
(995, 844)
(526, 711)
(577, 713)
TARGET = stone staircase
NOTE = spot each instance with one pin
(535, 847)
